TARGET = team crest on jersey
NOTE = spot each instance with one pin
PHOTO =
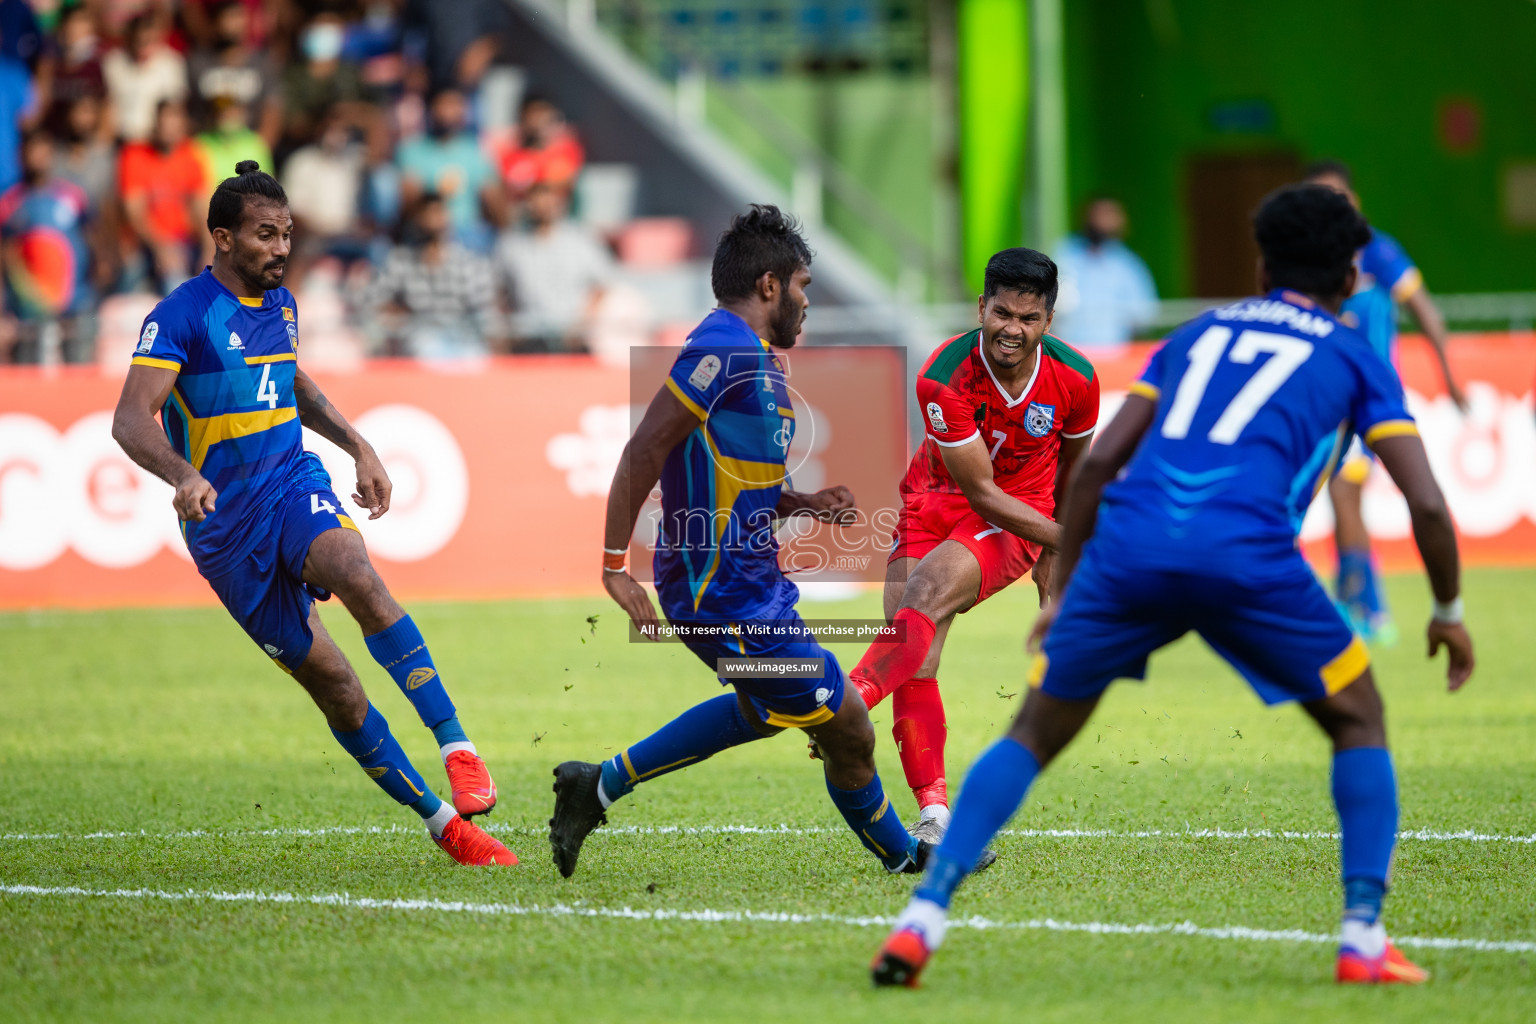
(147, 340)
(1038, 419)
(936, 418)
(234, 341)
(705, 372)
(293, 331)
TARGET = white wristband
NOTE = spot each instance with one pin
(1448, 612)
(615, 551)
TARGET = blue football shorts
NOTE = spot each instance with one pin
(266, 593)
(787, 702)
(1279, 629)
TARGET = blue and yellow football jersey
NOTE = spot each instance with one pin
(231, 412)
(716, 555)
(1255, 404)
(1387, 278)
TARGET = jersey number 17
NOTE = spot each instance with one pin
(1286, 354)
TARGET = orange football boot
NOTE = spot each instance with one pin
(473, 791)
(900, 960)
(1391, 968)
(469, 844)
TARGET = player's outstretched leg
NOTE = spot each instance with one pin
(847, 744)
(994, 789)
(1365, 795)
(584, 791)
(363, 733)
(339, 562)
(920, 730)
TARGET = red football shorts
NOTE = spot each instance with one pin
(929, 519)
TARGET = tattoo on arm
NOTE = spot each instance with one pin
(318, 414)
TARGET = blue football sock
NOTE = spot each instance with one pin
(404, 655)
(993, 790)
(868, 812)
(698, 733)
(376, 749)
(1358, 586)
(1365, 793)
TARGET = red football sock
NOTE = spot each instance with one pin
(920, 733)
(885, 666)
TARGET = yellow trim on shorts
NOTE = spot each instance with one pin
(1347, 667)
(1391, 428)
(1037, 672)
(1355, 470)
(1146, 390)
(347, 522)
(159, 364)
(787, 721)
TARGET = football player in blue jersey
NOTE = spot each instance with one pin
(1387, 279)
(218, 361)
(716, 437)
(1237, 420)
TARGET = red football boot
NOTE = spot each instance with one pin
(900, 960)
(473, 791)
(1391, 968)
(469, 844)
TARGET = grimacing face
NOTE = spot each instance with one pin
(1012, 324)
(258, 249)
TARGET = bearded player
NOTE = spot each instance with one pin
(218, 360)
(1007, 410)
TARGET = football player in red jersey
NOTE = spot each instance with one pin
(1007, 410)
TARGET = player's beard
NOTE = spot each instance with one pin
(785, 325)
(265, 273)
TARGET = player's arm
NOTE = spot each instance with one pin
(1071, 450)
(1406, 463)
(1430, 320)
(135, 430)
(666, 423)
(1080, 512)
(971, 468)
(318, 414)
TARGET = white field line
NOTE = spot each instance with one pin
(1235, 933)
(1425, 834)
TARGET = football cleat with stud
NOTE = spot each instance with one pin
(577, 812)
(469, 844)
(470, 782)
(900, 960)
(1390, 968)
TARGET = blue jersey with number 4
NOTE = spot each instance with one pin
(231, 412)
(1255, 403)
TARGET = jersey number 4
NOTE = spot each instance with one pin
(266, 391)
(1286, 354)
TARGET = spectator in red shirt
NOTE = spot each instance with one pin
(163, 188)
(544, 150)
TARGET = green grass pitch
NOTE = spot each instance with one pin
(171, 722)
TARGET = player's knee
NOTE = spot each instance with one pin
(923, 594)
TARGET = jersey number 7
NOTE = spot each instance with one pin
(1286, 354)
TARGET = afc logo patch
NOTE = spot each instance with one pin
(1038, 419)
(936, 418)
(147, 339)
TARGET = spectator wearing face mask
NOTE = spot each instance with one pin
(449, 162)
(228, 71)
(74, 68)
(1106, 289)
(543, 149)
(320, 81)
(142, 75)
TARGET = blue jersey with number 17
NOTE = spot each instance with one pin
(1255, 403)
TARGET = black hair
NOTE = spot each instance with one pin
(227, 206)
(1021, 270)
(1329, 169)
(1309, 235)
(763, 240)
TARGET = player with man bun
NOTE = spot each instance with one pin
(218, 361)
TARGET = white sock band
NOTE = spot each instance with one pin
(439, 821)
(602, 794)
(448, 748)
(1369, 940)
(927, 919)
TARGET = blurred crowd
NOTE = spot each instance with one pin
(441, 229)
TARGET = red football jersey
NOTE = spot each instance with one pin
(960, 398)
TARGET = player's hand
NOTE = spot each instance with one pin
(194, 498)
(631, 596)
(1041, 574)
(1041, 627)
(1458, 648)
(833, 505)
(373, 486)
